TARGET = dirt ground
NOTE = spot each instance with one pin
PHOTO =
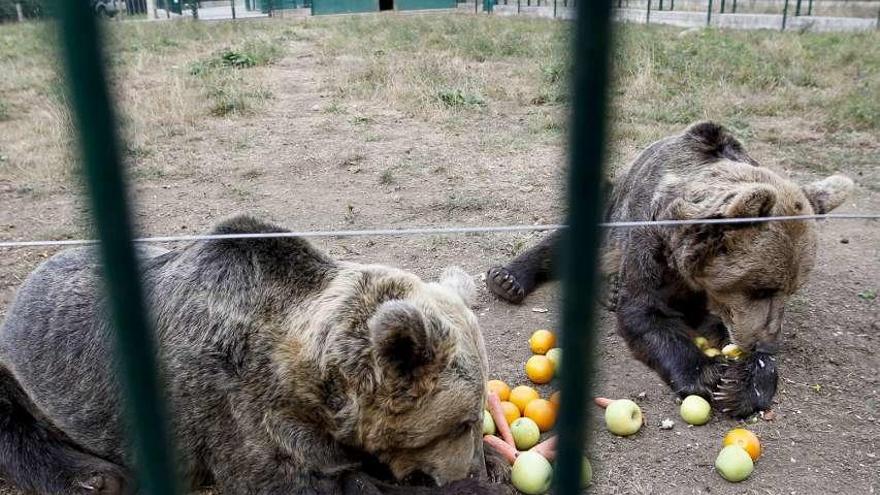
(308, 168)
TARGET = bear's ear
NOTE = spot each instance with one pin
(406, 347)
(458, 281)
(752, 201)
(829, 193)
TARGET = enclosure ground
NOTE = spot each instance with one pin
(405, 121)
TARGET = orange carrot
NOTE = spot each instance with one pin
(500, 421)
(502, 447)
(602, 402)
(547, 448)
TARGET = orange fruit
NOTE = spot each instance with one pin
(511, 412)
(542, 341)
(522, 395)
(539, 369)
(554, 399)
(745, 439)
(500, 388)
(542, 412)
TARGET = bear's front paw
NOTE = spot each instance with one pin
(497, 467)
(747, 386)
(702, 381)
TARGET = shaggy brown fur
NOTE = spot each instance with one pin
(728, 282)
(287, 372)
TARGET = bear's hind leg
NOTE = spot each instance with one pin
(517, 279)
(37, 458)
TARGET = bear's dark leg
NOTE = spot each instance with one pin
(38, 458)
(660, 339)
(517, 279)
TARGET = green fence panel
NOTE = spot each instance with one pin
(321, 7)
(95, 124)
(266, 5)
(424, 4)
(175, 6)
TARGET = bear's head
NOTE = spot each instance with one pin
(412, 361)
(749, 270)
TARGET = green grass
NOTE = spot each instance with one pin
(435, 64)
(506, 77)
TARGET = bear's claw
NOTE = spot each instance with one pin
(503, 284)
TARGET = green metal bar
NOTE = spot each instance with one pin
(580, 242)
(671, 5)
(554, 8)
(784, 14)
(733, 10)
(648, 14)
(709, 14)
(810, 7)
(96, 125)
(797, 8)
(722, 6)
(661, 4)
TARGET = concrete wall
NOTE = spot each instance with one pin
(698, 19)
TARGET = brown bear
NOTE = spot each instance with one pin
(727, 282)
(285, 371)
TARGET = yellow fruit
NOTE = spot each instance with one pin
(511, 412)
(500, 388)
(745, 439)
(542, 341)
(539, 369)
(712, 352)
(522, 395)
(542, 412)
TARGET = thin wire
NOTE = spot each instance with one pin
(443, 230)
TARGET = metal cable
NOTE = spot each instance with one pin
(444, 230)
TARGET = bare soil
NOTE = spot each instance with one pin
(300, 164)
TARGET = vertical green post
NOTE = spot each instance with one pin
(661, 5)
(580, 242)
(784, 14)
(810, 7)
(518, 6)
(487, 6)
(232, 2)
(797, 8)
(722, 7)
(733, 10)
(709, 14)
(133, 338)
(671, 5)
(648, 14)
(554, 8)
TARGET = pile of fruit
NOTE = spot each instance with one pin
(516, 418)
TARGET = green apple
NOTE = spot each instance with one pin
(555, 357)
(695, 410)
(734, 463)
(525, 433)
(488, 423)
(701, 342)
(623, 417)
(586, 473)
(532, 474)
